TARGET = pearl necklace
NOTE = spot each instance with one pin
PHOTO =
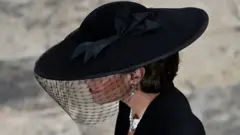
(133, 122)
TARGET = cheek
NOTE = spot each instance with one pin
(111, 85)
(116, 90)
(102, 83)
(111, 92)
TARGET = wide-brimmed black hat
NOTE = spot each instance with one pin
(121, 36)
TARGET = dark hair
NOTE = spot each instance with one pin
(159, 73)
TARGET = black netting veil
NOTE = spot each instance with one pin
(90, 101)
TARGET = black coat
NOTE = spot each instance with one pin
(168, 114)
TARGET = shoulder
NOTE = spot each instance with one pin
(172, 111)
(171, 100)
(185, 124)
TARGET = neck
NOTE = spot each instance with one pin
(139, 102)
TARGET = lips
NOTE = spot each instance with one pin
(93, 91)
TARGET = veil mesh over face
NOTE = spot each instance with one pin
(90, 101)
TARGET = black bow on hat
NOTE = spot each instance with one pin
(126, 24)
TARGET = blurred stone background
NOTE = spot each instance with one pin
(209, 71)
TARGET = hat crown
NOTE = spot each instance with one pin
(100, 23)
(124, 21)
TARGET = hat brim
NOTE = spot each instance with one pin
(182, 26)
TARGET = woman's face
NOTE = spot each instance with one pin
(114, 87)
(108, 89)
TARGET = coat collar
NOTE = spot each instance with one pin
(155, 108)
(122, 125)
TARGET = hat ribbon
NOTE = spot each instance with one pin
(137, 24)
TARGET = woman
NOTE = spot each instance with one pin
(125, 53)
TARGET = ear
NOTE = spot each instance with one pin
(135, 77)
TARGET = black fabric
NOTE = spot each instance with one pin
(126, 24)
(179, 28)
(168, 114)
